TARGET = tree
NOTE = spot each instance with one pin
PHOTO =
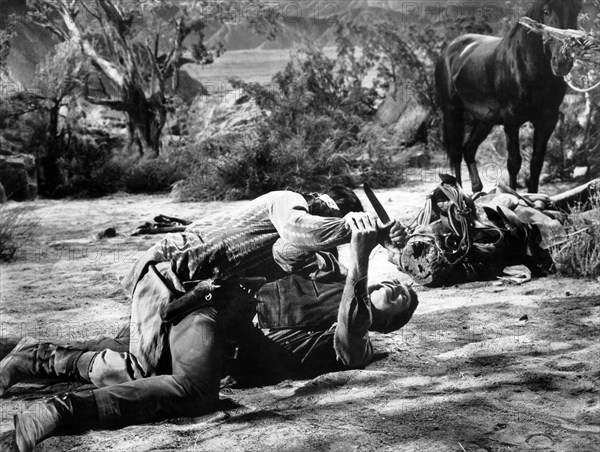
(405, 53)
(137, 46)
(57, 77)
(30, 118)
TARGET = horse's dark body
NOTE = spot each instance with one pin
(505, 81)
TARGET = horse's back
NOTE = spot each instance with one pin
(468, 50)
(472, 38)
(464, 74)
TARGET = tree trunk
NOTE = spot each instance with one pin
(147, 118)
(49, 162)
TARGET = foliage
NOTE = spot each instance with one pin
(317, 128)
(31, 119)
(59, 74)
(16, 227)
(138, 46)
(406, 52)
(589, 151)
(312, 133)
(577, 136)
(23, 125)
(147, 176)
(580, 256)
(87, 164)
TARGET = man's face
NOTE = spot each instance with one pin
(392, 306)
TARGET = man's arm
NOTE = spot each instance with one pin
(351, 340)
(321, 266)
(289, 214)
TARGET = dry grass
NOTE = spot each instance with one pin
(580, 256)
(16, 227)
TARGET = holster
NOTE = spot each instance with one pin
(199, 296)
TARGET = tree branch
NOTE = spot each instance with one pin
(116, 17)
(67, 13)
(111, 103)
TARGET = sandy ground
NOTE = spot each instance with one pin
(465, 375)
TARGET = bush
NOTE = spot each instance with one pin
(87, 164)
(588, 153)
(151, 175)
(313, 133)
(578, 132)
(580, 256)
(16, 226)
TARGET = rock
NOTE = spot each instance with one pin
(222, 115)
(107, 233)
(402, 111)
(580, 171)
(18, 175)
(189, 87)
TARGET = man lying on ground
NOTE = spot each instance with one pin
(311, 323)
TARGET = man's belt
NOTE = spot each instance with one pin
(202, 296)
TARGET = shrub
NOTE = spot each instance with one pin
(588, 153)
(313, 133)
(151, 175)
(578, 132)
(580, 256)
(87, 164)
(16, 226)
(408, 52)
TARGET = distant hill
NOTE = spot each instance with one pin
(303, 20)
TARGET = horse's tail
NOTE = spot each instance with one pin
(444, 80)
(452, 111)
(443, 91)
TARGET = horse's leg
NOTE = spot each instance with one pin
(478, 134)
(541, 135)
(514, 153)
(454, 134)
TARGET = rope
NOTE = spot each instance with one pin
(457, 220)
(424, 216)
(568, 80)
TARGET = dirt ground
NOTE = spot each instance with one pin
(469, 373)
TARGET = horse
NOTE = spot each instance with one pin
(507, 81)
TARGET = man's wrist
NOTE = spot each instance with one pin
(359, 267)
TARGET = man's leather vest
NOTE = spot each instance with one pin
(295, 302)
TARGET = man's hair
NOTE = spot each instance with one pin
(346, 199)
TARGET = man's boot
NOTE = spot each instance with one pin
(68, 412)
(43, 360)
